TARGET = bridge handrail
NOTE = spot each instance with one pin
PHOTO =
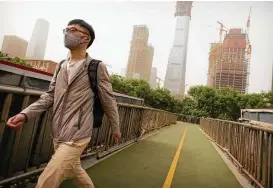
(34, 92)
(252, 126)
(250, 147)
(25, 152)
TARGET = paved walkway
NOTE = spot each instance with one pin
(148, 163)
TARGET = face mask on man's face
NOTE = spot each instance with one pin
(71, 41)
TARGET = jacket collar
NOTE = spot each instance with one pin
(87, 60)
(83, 67)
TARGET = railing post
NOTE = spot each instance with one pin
(269, 163)
(5, 114)
(4, 117)
(17, 139)
(243, 145)
(229, 137)
(264, 160)
(260, 156)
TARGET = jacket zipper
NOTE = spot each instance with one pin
(61, 115)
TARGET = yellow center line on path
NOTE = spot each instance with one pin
(170, 175)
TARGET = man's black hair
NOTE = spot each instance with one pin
(85, 25)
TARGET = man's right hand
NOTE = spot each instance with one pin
(117, 137)
(17, 121)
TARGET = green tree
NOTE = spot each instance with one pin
(253, 101)
(141, 87)
(160, 98)
(228, 104)
(204, 101)
(121, 85)
(268, 98)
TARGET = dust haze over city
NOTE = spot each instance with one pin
(192, 79)
(113, 23)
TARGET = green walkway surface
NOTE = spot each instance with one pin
(146, 163)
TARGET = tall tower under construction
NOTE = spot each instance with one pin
(229, 60)
(176, 70)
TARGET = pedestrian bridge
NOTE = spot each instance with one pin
(177, 156)
(215, 154)
(156, 150)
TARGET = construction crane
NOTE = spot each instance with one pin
(248, 24)
(248, 48)
(221, 30)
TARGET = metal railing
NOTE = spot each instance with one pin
(249, 147)
(24, 153)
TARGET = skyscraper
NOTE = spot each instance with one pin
(14, 46)
(37, 44)
(153, 77)
(176, 69)
(141, 54)
(229, 61)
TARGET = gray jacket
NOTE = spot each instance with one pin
(73, 103)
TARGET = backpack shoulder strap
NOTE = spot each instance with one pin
(59, 67)
(92, 73)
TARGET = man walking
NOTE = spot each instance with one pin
(72, 99)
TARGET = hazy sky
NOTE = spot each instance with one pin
(113, 23)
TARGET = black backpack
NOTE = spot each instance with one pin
(97, 107)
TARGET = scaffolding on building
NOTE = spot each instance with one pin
(229, 60)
